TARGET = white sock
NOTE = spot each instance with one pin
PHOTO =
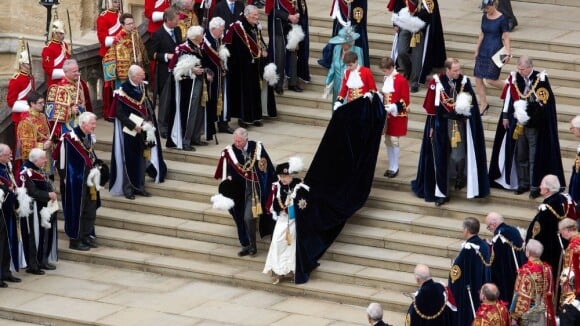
(394, 160)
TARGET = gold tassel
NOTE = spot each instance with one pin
(288, 235)
(518, 132)
(256, 207)
(456, 135)
(220, 103)
(413, 42)
(204, 96)
(147, 154)
(93, 193)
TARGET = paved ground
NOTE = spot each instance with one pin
(108, 296)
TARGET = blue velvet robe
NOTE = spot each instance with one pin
(340, 179)
(429, 300)
(472, 273)
(9, 215)
(504, 270)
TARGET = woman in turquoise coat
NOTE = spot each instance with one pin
(345, 38)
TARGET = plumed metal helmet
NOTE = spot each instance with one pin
(57, 26)
(21, 54)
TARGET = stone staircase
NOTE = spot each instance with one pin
(177, 232)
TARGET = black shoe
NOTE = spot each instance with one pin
(130, 196)
(170, 144)
(279, 90)
(393, 174)
(414, 88)
(484, 112)
(188, 148)
(258, 123)
(243, 252)
(440, 201)
(200, 143)
(78, 245)
(3, 285)
(242, 124)
(535, 193)
(89, 242)
(521, 190)
(143, 193)
(460, 183)
(295, 89)
(387, 173)
(225, 128)
(35, 271)
(48, 266)
(252, 252)
(12, 279)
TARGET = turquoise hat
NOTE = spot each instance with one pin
(345, 35)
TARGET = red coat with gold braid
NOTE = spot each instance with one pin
(154, 13)
(108, 26)
(18, 88)
(492, 314)
(571, 269)
(397, 93)
(534, 279)
(368, 84)
(429, 102)
(54, 55)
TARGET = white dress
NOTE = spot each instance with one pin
(281, 258)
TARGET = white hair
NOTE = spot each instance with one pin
(375, 311)
(551, 182)
(216, 22)
(194, 31)
(249, 8)
(3, 148)
(241, 132)
(576, 121)
(534, 248)
(422, 272)
(134, 69)
(68, 64)
(35, 154)
(85, 117)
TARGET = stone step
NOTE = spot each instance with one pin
(211, 232)
(213, 262)
(380, 45)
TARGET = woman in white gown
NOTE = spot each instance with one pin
(281, 260)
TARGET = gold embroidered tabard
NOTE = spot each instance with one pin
(32, 132)
(187, 18)
(61, 99)
(127, 51)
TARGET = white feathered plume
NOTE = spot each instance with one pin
(521, 112)
(405, 21)
(150, 130)
(24, 202)
(46, 213)
(463, 104)
(94, 178)
(270, 74)
(295, 36)
(224, 54)
(222, 202)
(295, 164)
(184, 65)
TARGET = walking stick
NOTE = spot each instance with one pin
(471, 300)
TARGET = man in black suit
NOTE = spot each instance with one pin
(161, 49)
(228, 10)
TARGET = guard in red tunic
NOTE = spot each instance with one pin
(55, 53)
(154, 13)
(570, 277)
(19, 86)
(491, 311)
(396, 100)
(108, 26)
(357, 81)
